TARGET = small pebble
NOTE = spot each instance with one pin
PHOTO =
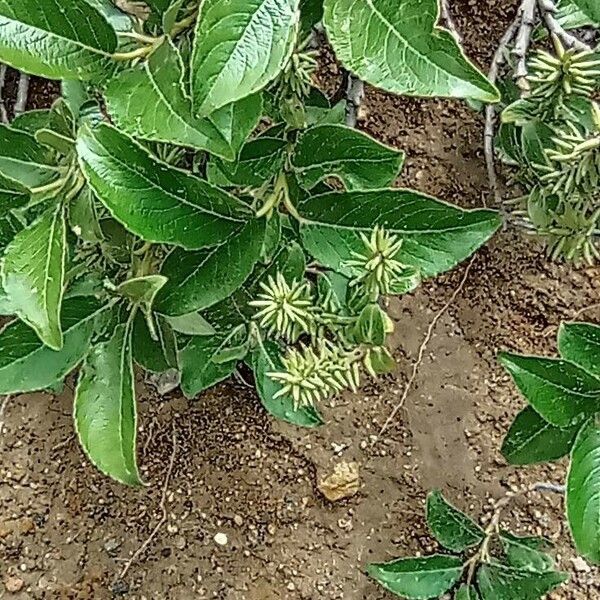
(221, 539)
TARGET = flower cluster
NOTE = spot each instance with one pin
(377, 265)
(311, 374)
(285, 310)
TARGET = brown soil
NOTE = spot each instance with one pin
(67, 532)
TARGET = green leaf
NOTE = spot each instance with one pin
(536, 136)
(418, 578)
(199, 369)
(191, 324)
(158, 202)
(83, 218)
(466, 592)
(497, 582)
(105, 409)
(152, 102)
(579, 343)
(200, 279)
(336, 150)
(141, 291)
(531, 439)
(9, 227)
(234, 310)
(437, 236)
(266, 359)
(562, 393)
(590, 8)
(311, 12)
(27, 365)
(452, 528)
(259, 160)
(571, 17)
(371, 326)
(119, 20)
(398, 47)
(155, 355)
(33, 273)
(12, 195)
(240, 46)
(527, 553)
(583, 491)
(57, 39)
(23, 160)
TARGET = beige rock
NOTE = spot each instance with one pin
(344, 482)
(13, 584)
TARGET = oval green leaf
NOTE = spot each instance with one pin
(239, 47)
(197, 280)
(33, 273)
(437, 235)
(418, 578)
(583, 491)
(398, 47)
(105, 410)
(531, 439)
(158, 202)
(579, 343)
(27, 365)
(452, 528)
(561, 392)
(57, 39)
(361, 162)
(152, 102)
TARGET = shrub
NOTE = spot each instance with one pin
(490, 563)
(562, 420)
(191, 202)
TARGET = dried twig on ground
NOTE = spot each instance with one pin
(22, 95)
(3, 406)
(354, 97)
(448, 21)
(421, 353)
(553, 488)
(548, 10)
(163, 509)
(527, 18)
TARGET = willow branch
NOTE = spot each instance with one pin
(354, 96)
(3, 113)
(490, 110)
(527, 18)
(22, 94)
(448, 21)
(548, 11)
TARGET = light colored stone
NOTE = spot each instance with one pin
(344, 482)
(221, 539)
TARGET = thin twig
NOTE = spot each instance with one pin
(553, 488)
(421, 354)
(3, 113)
(585, 309)
(3, 406)
(490, 111)
(22, 95)
(548, 10)
(354, 97)
(521, 49)
(163, 508)
(448, 21)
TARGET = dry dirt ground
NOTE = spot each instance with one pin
(67, 532)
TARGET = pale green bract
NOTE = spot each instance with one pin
(240, 46)
(396, 45)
